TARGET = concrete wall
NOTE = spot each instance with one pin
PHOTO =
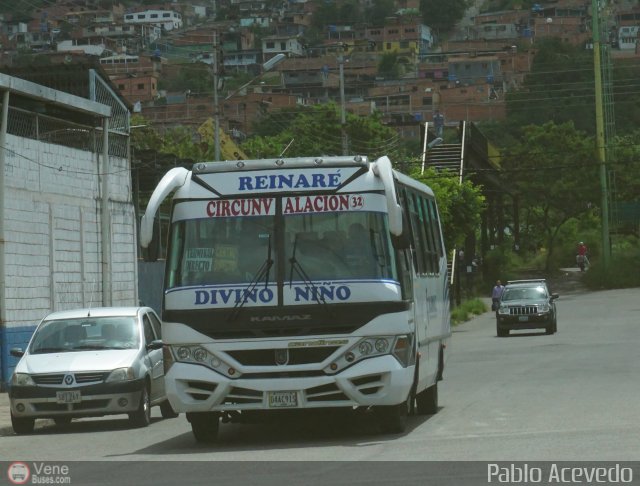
(53, 244)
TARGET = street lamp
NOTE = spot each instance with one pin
(266, 67)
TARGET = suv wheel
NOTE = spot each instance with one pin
(502, 332)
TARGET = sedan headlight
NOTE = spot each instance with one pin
(121, 374)
(22, 379)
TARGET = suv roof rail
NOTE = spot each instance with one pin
(531, 280)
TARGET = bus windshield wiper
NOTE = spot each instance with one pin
(263, 271)
(295, 265)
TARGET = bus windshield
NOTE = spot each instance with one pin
(321, 246)
(229, 250)
(339, 246)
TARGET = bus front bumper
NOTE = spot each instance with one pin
(376, 381)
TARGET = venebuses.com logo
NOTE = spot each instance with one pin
(18, 473)
(38, 473)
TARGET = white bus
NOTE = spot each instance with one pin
(301, 283)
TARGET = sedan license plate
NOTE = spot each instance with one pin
(71, 396)
(283, 399)
(523, 318)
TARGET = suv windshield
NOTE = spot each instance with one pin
(524, 293)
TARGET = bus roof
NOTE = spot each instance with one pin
(295, 162)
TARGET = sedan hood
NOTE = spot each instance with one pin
(75, 361)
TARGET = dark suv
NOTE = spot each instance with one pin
(526, 304)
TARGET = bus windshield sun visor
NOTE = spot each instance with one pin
(263, 271)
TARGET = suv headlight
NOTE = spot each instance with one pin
(370, 347)
(22, 379)
(196, 354)
(543, 308)
(121, 374)
(503, 311)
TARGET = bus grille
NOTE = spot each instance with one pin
(296, 356)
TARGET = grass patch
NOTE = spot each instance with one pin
(622, 273)
(466, 310)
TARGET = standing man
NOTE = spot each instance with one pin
(496, 294)
(438, 123)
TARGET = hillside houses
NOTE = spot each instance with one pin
(464, 74)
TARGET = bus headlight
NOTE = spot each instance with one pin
(370, 347)
(196, 354)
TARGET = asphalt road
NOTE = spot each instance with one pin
(572, 396)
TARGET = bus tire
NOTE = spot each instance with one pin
(393, 418)
(205, 426)
(427, 401)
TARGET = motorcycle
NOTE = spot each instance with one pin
(581, 260)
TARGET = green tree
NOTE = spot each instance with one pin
(442, 16)
(554, 171)
(559, 88)
(317, 131)
(460, 205)
(377, 13)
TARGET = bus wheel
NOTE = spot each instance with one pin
(393, 418)
(204, 426)
(427, 401)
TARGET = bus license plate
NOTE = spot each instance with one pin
(283, 399)
(68, 396)
(523, 318)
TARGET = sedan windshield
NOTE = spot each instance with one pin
(65, 335)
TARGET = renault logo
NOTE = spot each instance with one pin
(68, 379)
(282, 356)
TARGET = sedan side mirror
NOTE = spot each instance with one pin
(156, 344)
(16, 352)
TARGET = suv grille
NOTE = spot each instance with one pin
(524, 310)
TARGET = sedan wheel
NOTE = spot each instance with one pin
(22, 425)
(167, 410)
(142, 416)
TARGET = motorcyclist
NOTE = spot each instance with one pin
(582, 258)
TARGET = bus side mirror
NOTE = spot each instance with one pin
(151, 252)
(402, 242)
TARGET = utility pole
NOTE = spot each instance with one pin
(216, 107)
(600, 136)
(343, 115)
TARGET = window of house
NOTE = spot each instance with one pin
(393, 31)
(142, 16)
(270, 45)
(404, 44)
(140, 85)
(389, 45)
(121, 87)
(427, 101)
(129, 17)
(154, 16)
(166, 15)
